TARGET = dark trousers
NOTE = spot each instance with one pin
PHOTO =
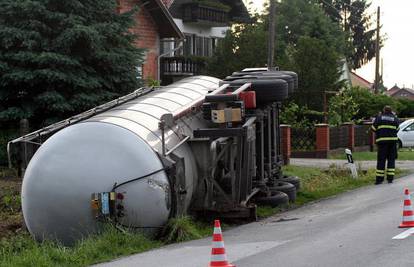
(387, 152)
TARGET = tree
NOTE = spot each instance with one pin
(352, 16)
(246, 45)
(369, 104)
(342, 108)
(316, 64)
(62, 57)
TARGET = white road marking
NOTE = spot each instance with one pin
(404, 234)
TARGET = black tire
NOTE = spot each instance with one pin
(276, 198)
(294, 75)
(287, 188)
(221, 98)
(267, 90)
(292, 82)
(292, 180)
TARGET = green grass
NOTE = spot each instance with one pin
(403, 154)
(22, 250)
(183, 228)
(317, 184)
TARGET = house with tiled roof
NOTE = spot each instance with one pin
(179, 35)
(154, 23)
(401, 93)
(392, 90)
(203, 23)
(359, 81)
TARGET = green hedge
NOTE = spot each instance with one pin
(5, 136)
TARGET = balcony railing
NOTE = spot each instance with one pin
(202, 14)
(180, 66)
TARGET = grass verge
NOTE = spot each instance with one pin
(22, 250)
(317, 184)
(403, 154)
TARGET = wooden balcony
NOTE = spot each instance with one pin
(180, 66)
(205, 15)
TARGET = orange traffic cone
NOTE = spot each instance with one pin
(218, 252)
(408, 214)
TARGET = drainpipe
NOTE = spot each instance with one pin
(166, 53)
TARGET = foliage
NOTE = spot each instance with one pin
(152, 82)
(316, 64)
(242, 47)
(298, 117)
(6, 134)
(318, 184)
(403, 154)
(246, 44)
(59, 58)
(406, 108)
(342, 108)
(369, 104)
(184, 229)
(357, 24)
(24, 251)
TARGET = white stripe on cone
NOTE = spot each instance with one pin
(217, 231)
(408, 218)
(220, 257)
(408, 208)
(218, 244)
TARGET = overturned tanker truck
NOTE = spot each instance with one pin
(201, 146)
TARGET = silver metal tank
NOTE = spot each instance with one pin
(113, 147)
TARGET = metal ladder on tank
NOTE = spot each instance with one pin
(41, 135)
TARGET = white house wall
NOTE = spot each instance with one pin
(217, 32)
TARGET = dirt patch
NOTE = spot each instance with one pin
(11, 218)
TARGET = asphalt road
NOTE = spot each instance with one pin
(353, 229)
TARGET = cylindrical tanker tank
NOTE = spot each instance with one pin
(111, 149)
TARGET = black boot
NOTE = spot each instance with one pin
(390, 179)
(379, 180)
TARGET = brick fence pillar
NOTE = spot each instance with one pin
(322, 140)
(286, 143)
(351, 135)
(371, 136)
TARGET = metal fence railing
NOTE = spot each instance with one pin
(303, 139)
(362, 135)
(338, 137)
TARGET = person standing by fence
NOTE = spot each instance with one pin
(385, 127)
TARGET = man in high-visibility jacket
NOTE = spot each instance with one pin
(385, 127)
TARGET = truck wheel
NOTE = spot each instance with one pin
(267, 90)
(292, 180)
(287, 188)
(276, 198)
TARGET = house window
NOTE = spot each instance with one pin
(208, 47)
(199, 43)
(188, 45)
(138, 72)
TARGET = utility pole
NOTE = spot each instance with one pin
(272, 34)
(377, 53)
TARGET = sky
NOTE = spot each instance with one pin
(398, 50)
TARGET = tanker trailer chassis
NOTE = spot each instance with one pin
(241, 151)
